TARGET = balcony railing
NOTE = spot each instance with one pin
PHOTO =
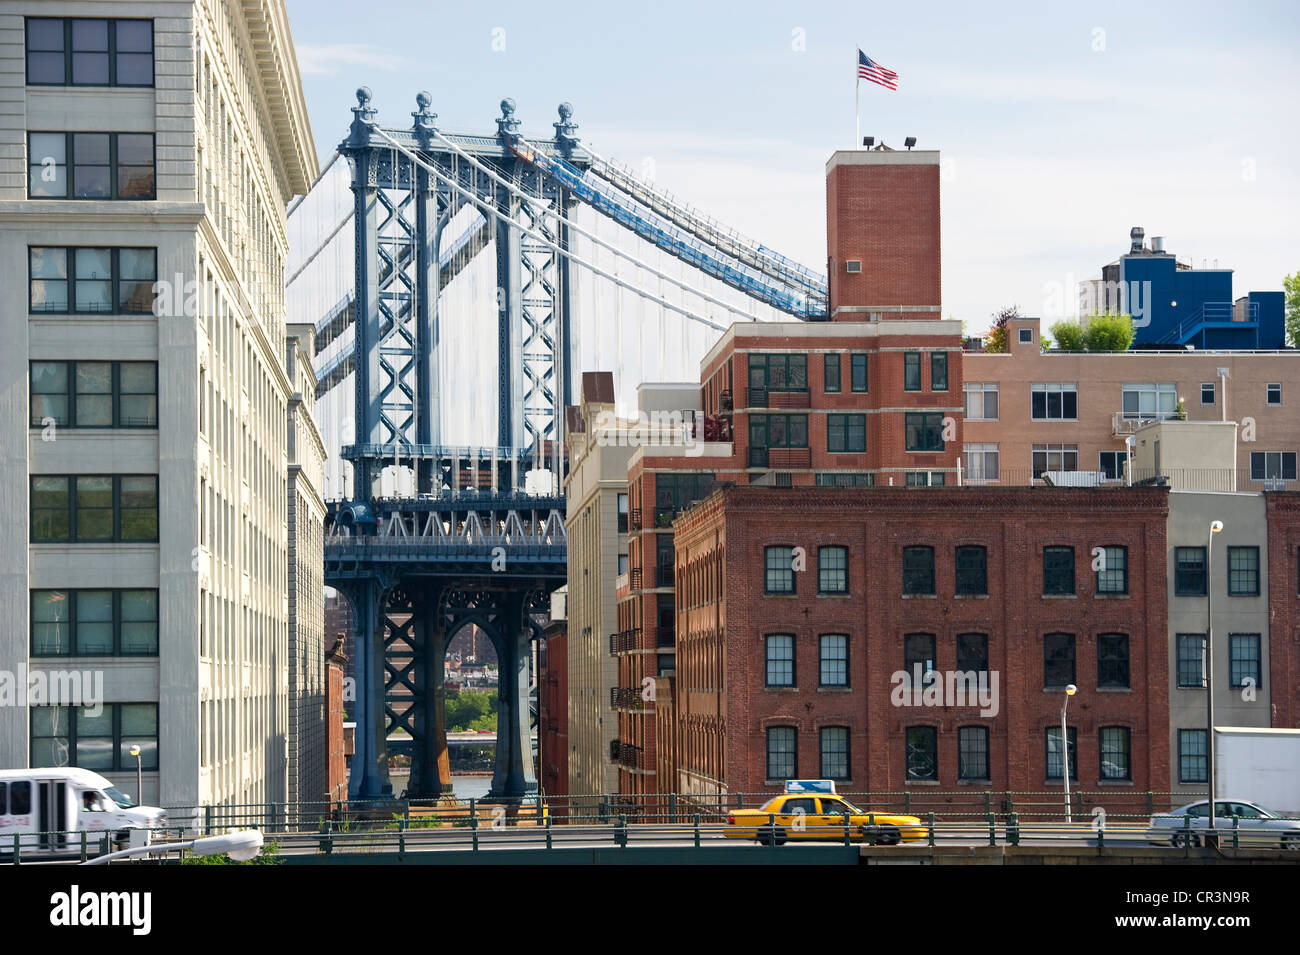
(1124, 423)
(724, 401)
(625, 698)
(634, 519)
(631, 757)
(664, 576)
(624, 640)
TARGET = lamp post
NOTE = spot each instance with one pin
(1215, 527)
(139, 776)
(1065, 750)
(241, 846)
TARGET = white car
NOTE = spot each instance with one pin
(1256, 826)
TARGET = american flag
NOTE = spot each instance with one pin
(869, 69)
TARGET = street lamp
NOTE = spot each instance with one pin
(240, 846)
(1215, 527)
(1065, 750)
(139, 776)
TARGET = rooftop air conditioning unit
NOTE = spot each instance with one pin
(853, 265)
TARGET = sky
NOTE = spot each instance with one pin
(1060, 126)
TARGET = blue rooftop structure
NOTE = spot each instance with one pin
(1174, 305)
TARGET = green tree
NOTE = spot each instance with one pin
(1108, 332)
(998, 338)
(471, 710)
(1068, 336)
(1291, 289)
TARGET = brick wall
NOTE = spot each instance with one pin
(1283, 510)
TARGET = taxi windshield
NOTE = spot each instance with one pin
(120, 799)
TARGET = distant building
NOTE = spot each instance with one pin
(1174, 304)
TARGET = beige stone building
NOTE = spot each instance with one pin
(147, 152)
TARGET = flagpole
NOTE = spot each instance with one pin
(857, 98)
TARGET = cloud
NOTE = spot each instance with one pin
(326, 59)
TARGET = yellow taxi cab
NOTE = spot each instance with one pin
(811, 812)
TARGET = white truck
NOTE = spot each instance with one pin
(1259, 765)
(45, 811)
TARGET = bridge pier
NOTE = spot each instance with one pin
(514, 776)
(369, 772)
(430, 764)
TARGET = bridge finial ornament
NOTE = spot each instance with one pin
(507, 125)
(566, 130)
(426, 120)
(363, 117)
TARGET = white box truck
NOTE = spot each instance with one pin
(45, 811)
(1259, 765)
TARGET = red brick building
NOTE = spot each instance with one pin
(336, 750)
(1283, 514)
(553, 711)
(797, 608)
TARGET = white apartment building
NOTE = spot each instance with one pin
(147, 152)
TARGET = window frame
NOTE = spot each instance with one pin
(792, 753)
(1214, 391)
(1071, 642)
(1067, 453)
(831, 360)
(1270, 389)
(931, 750)
(1234, 588)
(73, 508)
(858, 361)
(938, 360)
(120, 763)
(769, 553)
(111, 53)
(1184, 662)
(71, 394)
(822, 553)
(115, 280)
(1186, 753)
(1060, 548)
(850, 426)
(1189, 582)
(1112, 680)
(922, 425)
(1047, 389)
(823, 659)
(71, 596)
(983, 389)
(911, 366)
(1260, 469)
(1255, 659)
(965, 752)
(1108, 569)
(916, 550)
(960, 657)
(114, 166)
(1126, 753)
(974, 576)
(773, 642)
(847, 754)
(1072, 749)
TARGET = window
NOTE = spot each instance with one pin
(832, 570)
(1191, 756)
(1112, 661)
(1244, 659)
(1148, 401)
(1115, 761)
(1054, 402)
(1026, 336)
(94, 508)
(76, 736)
(1055, 457)
(91, 281)
(65, 52)
(938, 371)
(918, 651)
(1191, 660)
(780, 660)
(1054, 752)
(844, 479)
(1243, 571)
(622, 564)
(972, 653)
(94, 394)
(858, 371)
(778, 372)
(1111, 464)
(622, 513)
(924, 478)
(1274, 393)
(1189, 571)
(981, 462)
(1058, 571)
(833, 657)
(846, 433)
(972, 571)
(918, 571)
(1207, 392)
(1272, 465)
(94, 623)
(778, 566)
(912, 371)
(1112, 578)
(90, 166)
(676, 492)
(973, 752)
(775, 431)
(922, 752)
(981, 400)
(924, 431)
(831, 377)
(1058, 660)
(834, 760)
(782, 752)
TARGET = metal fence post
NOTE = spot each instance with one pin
(547, 823)
(1013, 830)
(1187, 836)
(83, 845)
(931, 830)
(697, 830)
(672, 809)
(993, 832)
(473, 823)
(771, 826)
(207, 820)
(620, 831)
(1236, 828)
(18, 855)
(847, 840)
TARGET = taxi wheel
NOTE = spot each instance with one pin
(765, 836)
(888, 836)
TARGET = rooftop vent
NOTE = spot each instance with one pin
(1136, 234)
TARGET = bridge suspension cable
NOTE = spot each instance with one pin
(488, 207)
(742, 247)
(542, 208)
